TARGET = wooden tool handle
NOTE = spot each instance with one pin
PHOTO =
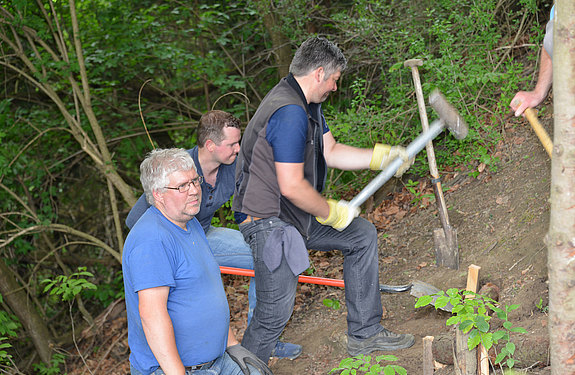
(531, 116)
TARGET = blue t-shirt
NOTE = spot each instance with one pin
(213, 197)
(159, 253)
(287, 133)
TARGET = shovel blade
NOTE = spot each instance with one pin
(421, 288)
(446, 247)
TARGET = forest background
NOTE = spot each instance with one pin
(80, 78)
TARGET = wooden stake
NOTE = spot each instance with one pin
(473, 286)
(428, 365)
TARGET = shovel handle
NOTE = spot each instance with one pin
(531, 116)
(317, 280)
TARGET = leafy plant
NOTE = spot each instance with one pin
(53, 368)
(471, 314)
(333, 303)
(361, 364)
(540, 307)
(5, 358)
(69, 286)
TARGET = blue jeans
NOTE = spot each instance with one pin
(276, 290)
(230, 250)
(224, 365)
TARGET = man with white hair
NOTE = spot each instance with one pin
(178, 314)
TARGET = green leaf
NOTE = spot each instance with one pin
(510, 348)
(510, 362)
(473, 340)
(465, 326)
(500, 357)
(441, 302)
(518, 330)
(423, 301)
(385, 357)
(481, 324)
(453, 320)
(498, 335)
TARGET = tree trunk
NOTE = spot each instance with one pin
(281, 44)
(561, 237)
(33, 323)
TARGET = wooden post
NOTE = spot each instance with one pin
(467, 361)
(472, 286)
(428, 366)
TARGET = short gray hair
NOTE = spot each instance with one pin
(317, 52)
(158, 165)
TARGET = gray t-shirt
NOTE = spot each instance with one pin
(548, 40)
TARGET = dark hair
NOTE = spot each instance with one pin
(317, 52)
(211, 126)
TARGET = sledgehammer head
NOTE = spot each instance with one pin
(448, 114)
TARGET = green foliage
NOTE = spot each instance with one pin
(332, 303)
(361, 364)
(110, 289)
(69, 286)
(471, 314)
(8, 322)
(540, 307)
(225, 212)
(5, 358)
(53, 368)
(418, 195)
(457, 42)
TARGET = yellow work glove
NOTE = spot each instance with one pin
(340, 216)
(385, 154)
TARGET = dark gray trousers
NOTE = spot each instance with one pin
(276, 290)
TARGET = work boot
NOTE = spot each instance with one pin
(384, 340)
(286, 350)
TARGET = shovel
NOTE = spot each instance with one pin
(445, 238)
(417, 288)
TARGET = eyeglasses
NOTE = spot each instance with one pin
(186, 186)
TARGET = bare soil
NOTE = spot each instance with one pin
(501, 218)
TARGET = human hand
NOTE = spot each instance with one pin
(523, 100)
(340, 215)
(243, 357)
(385, 154)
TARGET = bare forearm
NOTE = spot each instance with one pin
(299, 191)
(232, 338)
(545, 78)
(159, 331)
(348, 158)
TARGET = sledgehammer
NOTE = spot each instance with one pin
(448, 117)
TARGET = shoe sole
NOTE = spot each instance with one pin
(408, 342)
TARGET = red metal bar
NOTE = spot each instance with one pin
(301, 279)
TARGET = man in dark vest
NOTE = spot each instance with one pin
(280, 174)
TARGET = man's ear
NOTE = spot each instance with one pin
(210, 145)
(158, 197)
(319, 74)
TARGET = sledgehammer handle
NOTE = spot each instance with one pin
(547, 143)
(412, 149)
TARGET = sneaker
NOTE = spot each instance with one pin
(384, 340)
(286, 350)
